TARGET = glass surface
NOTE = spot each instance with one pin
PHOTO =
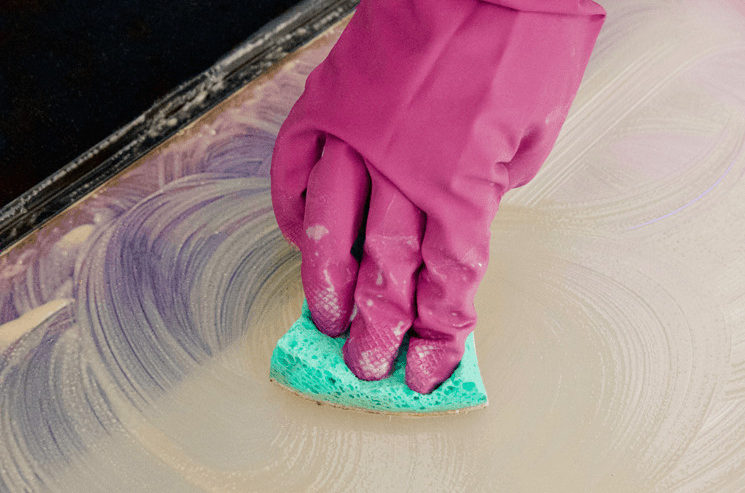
(137, 326)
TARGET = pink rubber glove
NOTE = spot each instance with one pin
(423, 115)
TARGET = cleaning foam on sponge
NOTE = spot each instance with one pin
(311, 364)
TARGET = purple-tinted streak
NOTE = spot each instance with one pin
(690, 203)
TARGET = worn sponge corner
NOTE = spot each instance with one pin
(311, 364)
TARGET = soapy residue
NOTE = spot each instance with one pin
(137, 326)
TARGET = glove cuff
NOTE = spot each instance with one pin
(567, 7)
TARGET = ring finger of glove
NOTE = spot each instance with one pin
(336, 197)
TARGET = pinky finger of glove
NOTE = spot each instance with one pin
(296, 152)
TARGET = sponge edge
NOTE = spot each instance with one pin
(311, 364)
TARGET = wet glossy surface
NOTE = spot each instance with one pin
(138, 326)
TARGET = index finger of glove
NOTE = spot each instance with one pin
(455, 251)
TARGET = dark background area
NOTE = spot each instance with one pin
(73, 72)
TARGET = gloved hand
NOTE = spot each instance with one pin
(423, 115)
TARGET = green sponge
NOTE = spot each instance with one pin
(310, 364)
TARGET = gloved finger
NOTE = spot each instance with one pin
(338, 187)
(455, 251)
(296, 150)
(386, 283)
